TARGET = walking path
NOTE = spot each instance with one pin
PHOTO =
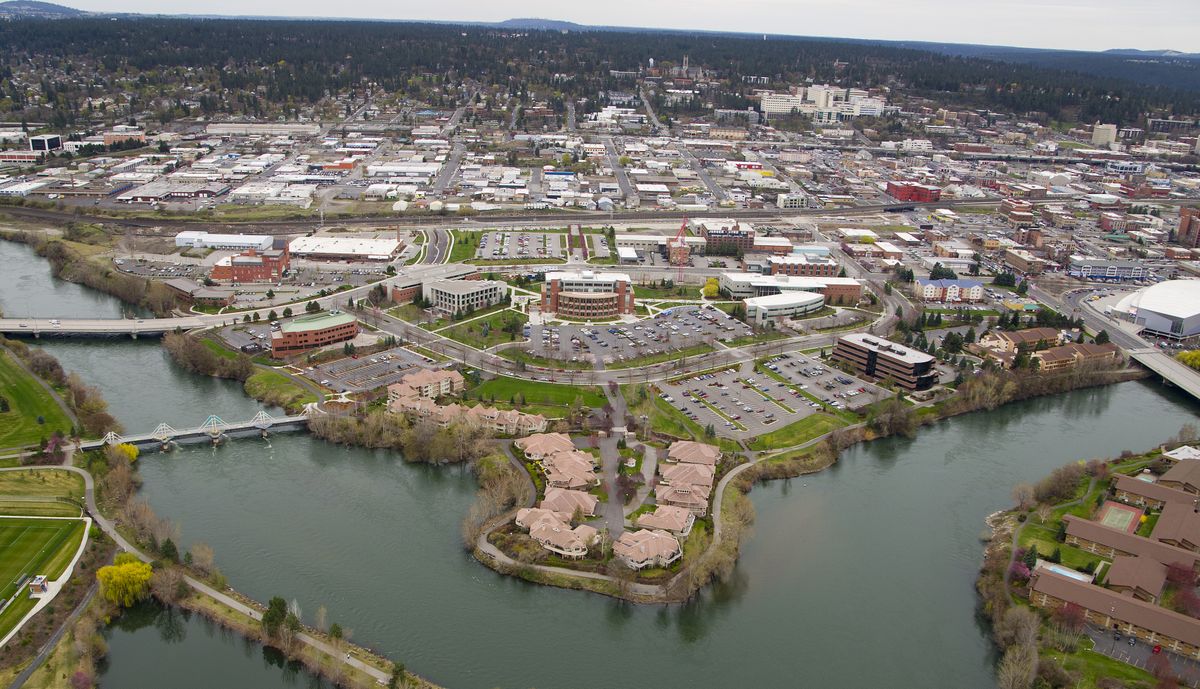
(52, 587)
(45, 386)
(109, 528)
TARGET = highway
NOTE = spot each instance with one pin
(1075, 304)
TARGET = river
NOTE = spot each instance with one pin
(860, 576)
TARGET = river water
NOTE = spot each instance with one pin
(860, 576)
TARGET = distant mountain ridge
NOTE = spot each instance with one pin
(33, 9)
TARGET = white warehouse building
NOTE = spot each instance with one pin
(196, 239)
(1168, 309)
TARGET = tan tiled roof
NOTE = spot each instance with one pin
(570, 469)
(687, 474)
(667, 518)
(646, 546)
(542, 444)
(693, 452)
(565, 501)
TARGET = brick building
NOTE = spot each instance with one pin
(252, 266)
(310, 332)
(587, 294)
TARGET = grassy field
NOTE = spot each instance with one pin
(35, 546)
(799, 432)
(41, 483)
(517, 354)
(27, 401)
(471, 333)
(538, 393)
(278, 389)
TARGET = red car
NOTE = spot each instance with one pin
(1156, 650)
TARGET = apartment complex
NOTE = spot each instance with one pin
(309, 332)
(881, 359)
(587, 294)
(803, 265)
(949, 291)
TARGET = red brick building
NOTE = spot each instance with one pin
(309, 332)
(912, 191)
(252, 266)
(1188, 233)
(587, 294)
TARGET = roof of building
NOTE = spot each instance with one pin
(344, 246)
(1127, 542)
(646, 545)
(667, 518)
(896, 351)
(1182, 452)
(1178, 522)
(1125, 608)
(784, 299)
(566, 501)
(317, 321)
(961, 284)
(1152, 490)
(587, 276)
(1142, 573)
(687, 474)
(1027, 335)
(1175, 298)
(690, 451)
(1186, 471)
(542, 444)
(466, 286)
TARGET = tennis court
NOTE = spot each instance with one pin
(35, 546)
(1118, 516)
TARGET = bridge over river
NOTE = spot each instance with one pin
(214, 430)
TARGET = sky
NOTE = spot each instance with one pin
(1067, 24)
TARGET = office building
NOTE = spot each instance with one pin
(309, 332)
(880, 359)
(464, 296)
(235, 242)
(252, 266)
(587, 294)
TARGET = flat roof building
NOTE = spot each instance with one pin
(464, 296)
(759, 310)
(312, 331)
(345, 248)
(587, 294)
(237, 242)
(880, 359)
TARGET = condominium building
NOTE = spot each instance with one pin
(950, 291)
(587, 294)
(881, 359)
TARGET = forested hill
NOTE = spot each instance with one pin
(246, 60)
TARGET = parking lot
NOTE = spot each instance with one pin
(358, 374)
(670, 330)
(829, 385)
(520, 245)
(737, 403)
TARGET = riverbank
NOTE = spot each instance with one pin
(83, 264)
(733, 512)
(1060, 644)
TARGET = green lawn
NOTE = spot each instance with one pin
(277, 389)
(31, 546)
(42, 483)
(503, 388)
(27, 401)
(408, 312)
(517, 354)
(660, 292)
(799, 432)
(472, 333)
(35, 546)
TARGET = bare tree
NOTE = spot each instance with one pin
(202, 557)
(1022, 494)
(321, 619)
(1018, 667)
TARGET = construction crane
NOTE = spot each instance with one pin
(677, 251)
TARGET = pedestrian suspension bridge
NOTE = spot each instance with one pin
(214, 430)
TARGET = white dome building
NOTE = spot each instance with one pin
(1169, 309)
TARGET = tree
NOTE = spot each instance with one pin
(399, 676)
(287, 312)
(1101, 337)
(711, 288)
(169, 550)
(126, 581)
(272, 316)
(1069, 618)
(274, 617)
(270, 293)
(1018, 667)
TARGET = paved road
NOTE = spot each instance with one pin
(614, 162)
(48, 648)
(657, 126)
(446, 174)
(713, 188)
(570, 115)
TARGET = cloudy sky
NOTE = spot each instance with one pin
(1075, 24)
